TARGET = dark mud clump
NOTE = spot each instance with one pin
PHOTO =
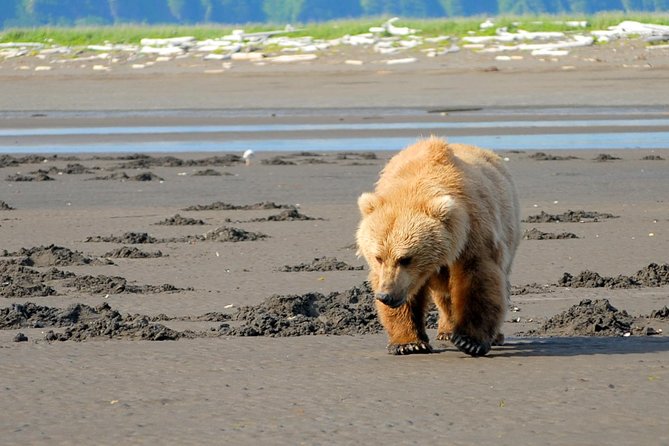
(83, 322)
(588, 318)
(12, 161)
(122, 176)
(221, 206)
(178, 220)
(5, 207)
(277, 161)
(230, 234)
(287, 215)
(662, 313)
(299, 158)
(30, 315)
(53, 255)
(118, 176)
(653, 275)
(652, 158)
(19, 281)
(130, 252)
(605, 157)
(20, 337)
(321, 264)
(533, 288)
(146, 176)
(570, 216)
(129, 238)
(142, 161)
(39, 176)
(115, 285)
(340, 313)
(70, 169)
(210, 173)
(356, 156)
(535, 234)
(541, 156)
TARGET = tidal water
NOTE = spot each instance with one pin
(563, 129)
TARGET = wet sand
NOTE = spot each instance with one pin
(211, 386)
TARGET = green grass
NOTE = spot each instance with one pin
(132, 34)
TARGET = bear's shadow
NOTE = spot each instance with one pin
(577, 346)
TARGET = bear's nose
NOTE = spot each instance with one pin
(383, 297)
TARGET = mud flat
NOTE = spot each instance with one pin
(114, 326)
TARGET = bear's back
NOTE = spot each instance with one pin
(431, 162)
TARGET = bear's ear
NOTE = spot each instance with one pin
(367, 202)
(441, 206)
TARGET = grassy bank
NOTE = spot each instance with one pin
(132, 34)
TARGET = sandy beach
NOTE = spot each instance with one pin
(144, 283)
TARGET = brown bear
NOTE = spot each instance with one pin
(443, 224)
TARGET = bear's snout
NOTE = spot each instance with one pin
(387, 299)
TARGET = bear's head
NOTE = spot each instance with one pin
(407, 241)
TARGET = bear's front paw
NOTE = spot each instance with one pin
(469, 345)
(408, 349)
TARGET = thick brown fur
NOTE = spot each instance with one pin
(442, 225)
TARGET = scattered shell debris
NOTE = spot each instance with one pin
(276, 46)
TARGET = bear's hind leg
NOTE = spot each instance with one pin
(406, 326)
(478, 299)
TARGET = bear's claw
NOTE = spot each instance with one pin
(444, 336)
(408, 349)
(470, 346)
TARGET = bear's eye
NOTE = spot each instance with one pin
(379, 259)
(404, 261)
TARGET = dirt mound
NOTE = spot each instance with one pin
(230, 234)
(532, 288)
(321, 264)
(53, 255)
(83, 322)
(652, 158)
(18, 289)
(38, 316)
(287, 215)
(19, 281)
(210, 173)
(277, 161)
(356, 156)
(313, 161)
(9, 160)
(570, 216)
(340, 313)
(142, 161)
(146, 176)
(130, 252)
(662, 313)
(70, 169)
(5, 207)
(115, 285)
(38, 176)
(541, 156)
(221, 206)
(178, 220)
(129, 238)
(535, 234)
(605, 157)
(122, 176)
(588, 318)
(653, 275)
(119, 176)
